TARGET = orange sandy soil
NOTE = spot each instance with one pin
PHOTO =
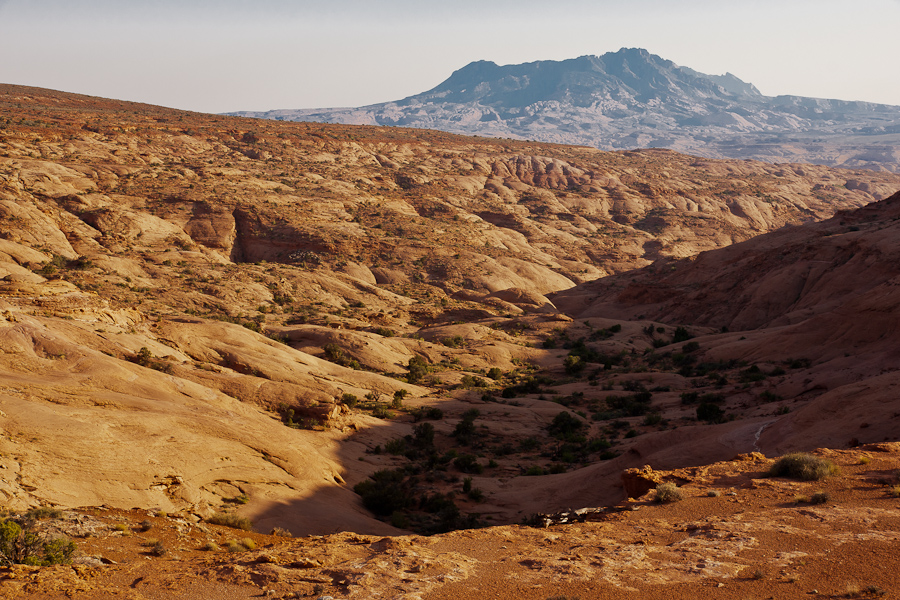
(755, 539)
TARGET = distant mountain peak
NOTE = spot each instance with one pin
(632, 98)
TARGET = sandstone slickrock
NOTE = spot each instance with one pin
(204, 314)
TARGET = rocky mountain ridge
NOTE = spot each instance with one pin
(633, 99)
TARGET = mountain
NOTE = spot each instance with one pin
(633, 99)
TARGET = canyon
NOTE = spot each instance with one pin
(419, 351)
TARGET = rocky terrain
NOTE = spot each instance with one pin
(212, 323)
(633, 99)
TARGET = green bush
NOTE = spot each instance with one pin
(564, 425)
(803, 466)
(468, 463)
(384, 492)
(710, 413)
(21, 543)
(573, 364)
(417, 368)
(465, 430)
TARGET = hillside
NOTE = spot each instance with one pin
(365, 331)
(633, 99)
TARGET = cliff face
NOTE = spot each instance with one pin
(633, 99)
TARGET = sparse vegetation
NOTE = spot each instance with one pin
(803, 466)
(667, 492)
(232, 520)
(22, 543)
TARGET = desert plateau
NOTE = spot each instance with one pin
(255, 358)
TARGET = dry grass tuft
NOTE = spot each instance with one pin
(668, 492)
(803, 466)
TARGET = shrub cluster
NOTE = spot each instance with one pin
(803, 466)
(22, 543)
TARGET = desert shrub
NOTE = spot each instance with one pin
(465, 430)
(495, 373)
(381, 412)
(769, 396)
(751, 374)
(21, 543)
(630, 406)
(384, 492)
(529, 443)
(565, 425)
(668, 492)
(689, 397)
(231, 520)
(426, 413)
(653, 419)
(350, 400)
(335, 354)
(252, 326)
(240, 499)
(534, 471)
(457, 341)
(281, 532)
(819, 498)
(803, 466)
(573, 364)
(598, 444)
(710, 413)
(210, 547)
(476, 495)
(423, 435)
(158, 548)
(681, 335)
(799, 363)
(145, 526)
(383, 331)
(143, 357)
(468, 463)
(397, 400)
(416, 369)
(532, 385)
(470, 381)
(396, 446)
(43, 512)
(248, 543)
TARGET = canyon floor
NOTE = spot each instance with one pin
(400, 350)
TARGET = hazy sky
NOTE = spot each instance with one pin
(222, 55)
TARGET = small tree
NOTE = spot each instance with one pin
(22, 544)
(417, 368)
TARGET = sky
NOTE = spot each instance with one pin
(228, 55)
